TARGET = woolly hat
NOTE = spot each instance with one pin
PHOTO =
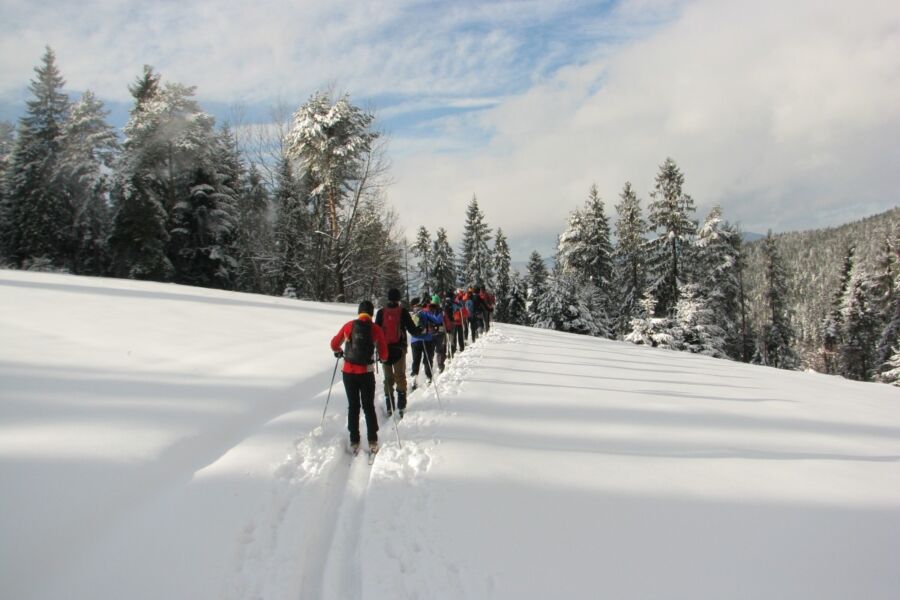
(393, 295)
(366, 307)
(436, 299)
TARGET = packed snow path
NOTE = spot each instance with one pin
(158, 441)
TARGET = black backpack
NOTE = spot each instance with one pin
(360, 348)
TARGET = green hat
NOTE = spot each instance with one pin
(436, 299)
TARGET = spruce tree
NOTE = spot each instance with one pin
(422, 248)
(776, 346)
(698, 328)
(254, 235)
(891, 371)
(833, 324)
(858, 348)
(291, 266)
(886, 300)
(561, 308)
(537, 284)
(502, 265)
(443, 269)
(168, 159)
(716, 274)
(571, 249)
(139, 237)
(629, 259)
(88, 151)
(476, 256)
(517, 301)
(646, 329)
(670, 214)
(37, 218)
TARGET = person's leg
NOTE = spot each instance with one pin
(389, 382)
(429, 362)
(351, 385)
(440, 350)
(367, 397)
(416, 358)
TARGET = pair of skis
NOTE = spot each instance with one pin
(354, 451)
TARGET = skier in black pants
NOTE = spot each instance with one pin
(360, 337)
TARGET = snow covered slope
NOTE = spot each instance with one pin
(159, 441)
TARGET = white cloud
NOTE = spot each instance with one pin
(785, 113)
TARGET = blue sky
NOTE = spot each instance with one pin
(786, 114)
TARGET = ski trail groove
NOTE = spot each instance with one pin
(342, 576)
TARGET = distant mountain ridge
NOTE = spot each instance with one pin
(813, 260)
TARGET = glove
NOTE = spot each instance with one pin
(339, 354)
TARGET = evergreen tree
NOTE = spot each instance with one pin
(857, 352)
(833, 324)
(697, 327)
(598, 256)
(502, 265)
(293, 230)
(88, 151)
(254, 236)
(139, 236)
(718, 288)
(202, 233)
(891, 372)
(886, 300)
(476, 256)
(36, 216)
(646, 329)
(670, 215)
(537, 284)
(443, 271)
(571, 248)
(517, 301)
(629, 258)
(561, 308)
(334, 143)
(422, 248)
(775, 347)
(168, 160)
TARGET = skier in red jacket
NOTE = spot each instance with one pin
(360, 338)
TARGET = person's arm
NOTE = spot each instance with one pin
(341, 337)
(380, 342)
(408, 324)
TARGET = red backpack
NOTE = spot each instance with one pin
(390, 323)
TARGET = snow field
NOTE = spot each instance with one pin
(159, 441)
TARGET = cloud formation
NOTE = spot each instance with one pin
(786, 115)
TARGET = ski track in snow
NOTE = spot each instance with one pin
(308, 539)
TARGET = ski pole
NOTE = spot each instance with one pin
(431, 374)
(396, 429)
(327, 400)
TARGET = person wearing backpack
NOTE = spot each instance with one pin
(395, 321)
(423, 343)
(477, 310)
(360, 338)
(449, 324)
(488, 300)
(460, 317)
(439, 335)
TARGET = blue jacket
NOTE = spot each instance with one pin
(426, 317)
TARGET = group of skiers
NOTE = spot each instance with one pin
(438, 326)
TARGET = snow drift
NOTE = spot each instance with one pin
(159, 441)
